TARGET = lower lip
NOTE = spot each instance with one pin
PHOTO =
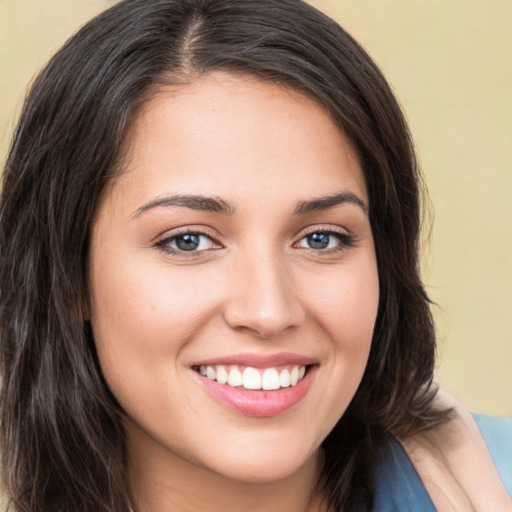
(259, 402)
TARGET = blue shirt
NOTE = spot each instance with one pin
(399, 488)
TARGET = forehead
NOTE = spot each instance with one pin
(237, 136)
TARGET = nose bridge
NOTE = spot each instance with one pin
(263, 298)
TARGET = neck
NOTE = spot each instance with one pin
(171, 483)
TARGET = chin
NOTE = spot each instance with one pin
(266, 461)
(264, 472)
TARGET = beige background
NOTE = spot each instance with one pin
(450, 64)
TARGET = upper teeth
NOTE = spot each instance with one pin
(252, 378)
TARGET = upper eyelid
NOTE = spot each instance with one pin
(345, 237)
(203, 230)
(163, 244)
(184, 230)
(208, 232)
(322, 228)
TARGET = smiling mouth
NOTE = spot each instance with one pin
(250, 378)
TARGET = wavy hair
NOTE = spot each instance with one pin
(62, 439)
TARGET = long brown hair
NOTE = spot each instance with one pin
(62, 439)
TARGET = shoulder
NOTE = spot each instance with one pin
(398, 485)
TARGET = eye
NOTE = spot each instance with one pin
(325, 240)
(189, 241)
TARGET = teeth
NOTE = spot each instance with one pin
(252, 378)
(222, 375)
(284, 378)
(210, 373)
(294, 376)
(235, 378)
(270, 379)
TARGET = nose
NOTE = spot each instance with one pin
(263, 299)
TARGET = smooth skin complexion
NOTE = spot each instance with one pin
(238, 235)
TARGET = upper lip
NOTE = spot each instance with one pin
(259, 360)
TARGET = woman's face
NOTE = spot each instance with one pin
(237, 244)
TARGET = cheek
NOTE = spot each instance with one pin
(346, 303)
(346, 309)
(141, 321)
(140, 308)
(358, 312)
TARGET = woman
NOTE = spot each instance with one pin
(210, 290)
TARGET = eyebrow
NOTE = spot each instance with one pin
(218, 205)
(326, 202)
(194, 202)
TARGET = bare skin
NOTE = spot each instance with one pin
(282, 273)
(455, 465)
(178, 492)
(255, 285)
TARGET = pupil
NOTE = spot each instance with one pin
(318, 240)
(187, 242)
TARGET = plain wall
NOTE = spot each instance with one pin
(450, 64)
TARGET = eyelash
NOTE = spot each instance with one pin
(164, 244)
(345, 240)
